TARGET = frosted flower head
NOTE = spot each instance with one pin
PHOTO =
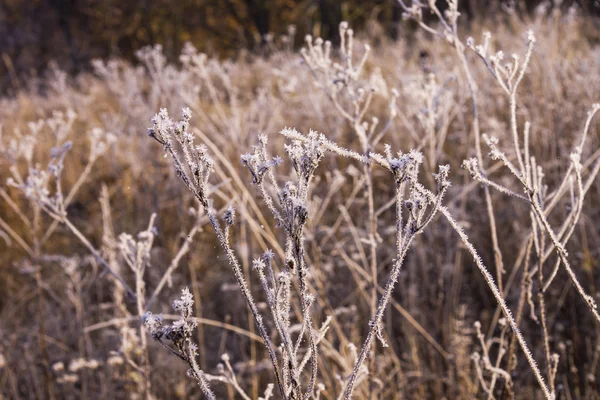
(496, 154)
(185, 303)
(490, 140)
(471, 166)
(229, 215)
(304, 155)
(416, 156)
(162, 126)
(256, 163)
(186, 114)
(442, 177)
(268, 255)
(258, 264)
(153, 324)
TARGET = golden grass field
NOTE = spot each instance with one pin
(121, 219)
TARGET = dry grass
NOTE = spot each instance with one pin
(70, 329)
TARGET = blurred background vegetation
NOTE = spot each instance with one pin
(34, 33)
(47, 321)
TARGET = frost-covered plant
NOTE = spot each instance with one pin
(36, 188)
(291, 213)
(179, 336)
(421, 205)
(530, 175)
(336, 231)
(194, 170)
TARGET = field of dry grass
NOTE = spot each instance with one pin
(98, 228)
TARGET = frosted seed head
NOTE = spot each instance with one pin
(269, 255)
(258, 264)
(186, 113)
(185, 303)
(229, 216)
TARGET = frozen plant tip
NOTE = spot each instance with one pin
(177, 338)
(196, 166)
(195, 171)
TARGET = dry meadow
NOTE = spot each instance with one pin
(369, 219)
